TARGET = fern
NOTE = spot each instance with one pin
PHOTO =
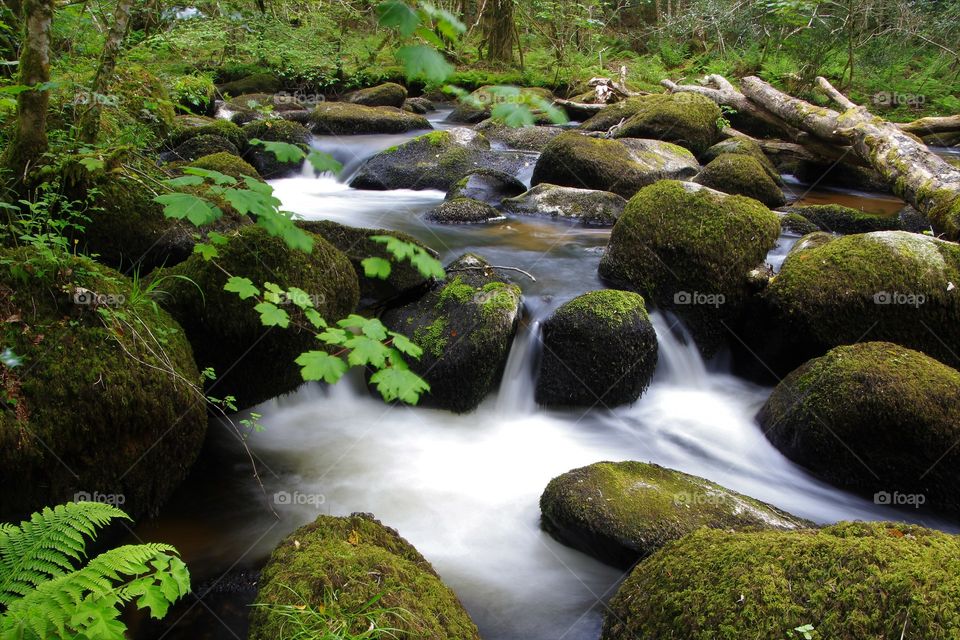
(44, 596)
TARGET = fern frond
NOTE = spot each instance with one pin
(46, 546)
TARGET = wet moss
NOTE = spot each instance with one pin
(359, 560)
(432, 338)
(844, 220)
(687, 119)
(798, 224)
(850, 581)
(227, 164)
(740, 174)
(742, 146)
(186, 129)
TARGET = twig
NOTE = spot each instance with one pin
(485, 267)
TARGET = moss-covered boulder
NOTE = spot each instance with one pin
(265, 161)
(255, 363)
(487, 185)
(358, 560)
(849, 581)
(621, 512)
(465, 326)
(613, 115)
(434, 160)
(575, 160)
(599, 349)
(888, 285)
(106, 404)
(277, 103)
(590, 207)
(742, 175)
(797, 224)
(254, 83)
(388, 94)
(529, 138)
(687, 119)
(479, 104)
(187, 127)
(874, 418)
(418, 105)
(404, 281)
(836, 218)
(742, 146)
(227, 164)
(343, 118)
(689, 248)
(204, 145)
(462, 210)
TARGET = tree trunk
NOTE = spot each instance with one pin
(932, 124)
(90, 120)
(499, 30)
(29, 140)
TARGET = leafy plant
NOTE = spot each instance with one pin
(805, 631)
(45, 595)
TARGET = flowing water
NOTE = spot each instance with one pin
(464, 489)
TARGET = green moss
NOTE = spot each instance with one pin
(839, 219)
(687, 119)
(455, 291)
(798, 224)
(205, 145)
(608, 305)
(625, 511)
(218, 127)
(227, 164)
(432, 338)
(277, 131)
(613, 115)
(104, 396)
(340, 118)
(388, 94)
(740, 174)
(849, 581)
(742, 146)
(498, 298)
(254, 83)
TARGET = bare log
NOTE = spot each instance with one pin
(931, 125)
(584, 107)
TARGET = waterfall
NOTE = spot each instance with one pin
(680, 363)
(516, 395)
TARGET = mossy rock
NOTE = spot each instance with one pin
(465, 326)
(227, 164)
(254, 83)
(107, 397)
(343, 118)
(887, 285)
(435, 160)
(836, 218)
(909, 219)
(742, 146)
(192, 126)
(529, 138)
(144, 96)
(487, 99)
(622, 512)
(575, 160)
(487, 185)
(255, 363)
(796, 223)
(872, 418)
(599, 349)
(850, 581)
(418, 105)
(687, 119)
(265, 161)
(590, 207)
(463, 211)
(404, 280)
(742, 175)
(204, 145)
(359, 560)
(388, 94)
(277, 103)
(613, 115)
(689, 248)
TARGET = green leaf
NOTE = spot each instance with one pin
(243, 287)
(425, 33)
(324, 162)
(217, 238)
(184, 181)
(272, 316)
(394, 383)
(448, 24)
(424, 63)
(92, 164)
(207, 251)
(512, 114)
(214, 176)
(315, 318)
(300, 298)
(427, 265)
(334, 337)
(366, 351)
(376, 268)
(374, 329)
(405, 345)
(183, 205)
(320, 365)
(283, 151)
(398, 14)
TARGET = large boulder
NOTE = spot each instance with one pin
(622, 512)
(465, 326)
(388, 94)
(742, 175)
(487, 185)
(575, 160)
(404, 280)
(255, 363)
(599, 349)
(285, 131)
(687, 119)
(530, 138)
(186, 127)
(227, 164)
(836, 218)
(590, 207)
(874, 418)
(613, 115)
(355, 568)
(888, 285)
(849, 581)
(741, 146)
(204, 145)
(343, 118)
(481, 102)
(106, 403)
(689, 248)
(462, 210)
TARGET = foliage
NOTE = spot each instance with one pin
(45, 595)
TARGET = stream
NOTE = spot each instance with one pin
(464, 489)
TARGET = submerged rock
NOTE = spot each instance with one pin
(592, 208)
(487, 185)
(463, 211)
(686, 119)
(622, 512)
(358, 566)
(743, 175)
(388, 94)
(623, 167)
(849, 581)
(465, 326)
(418, 105)
(343, 118)
(874, 418)
(836, 218)
(599, 349)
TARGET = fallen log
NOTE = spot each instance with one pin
(931, 125)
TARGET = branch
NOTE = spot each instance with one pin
(492, 266)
